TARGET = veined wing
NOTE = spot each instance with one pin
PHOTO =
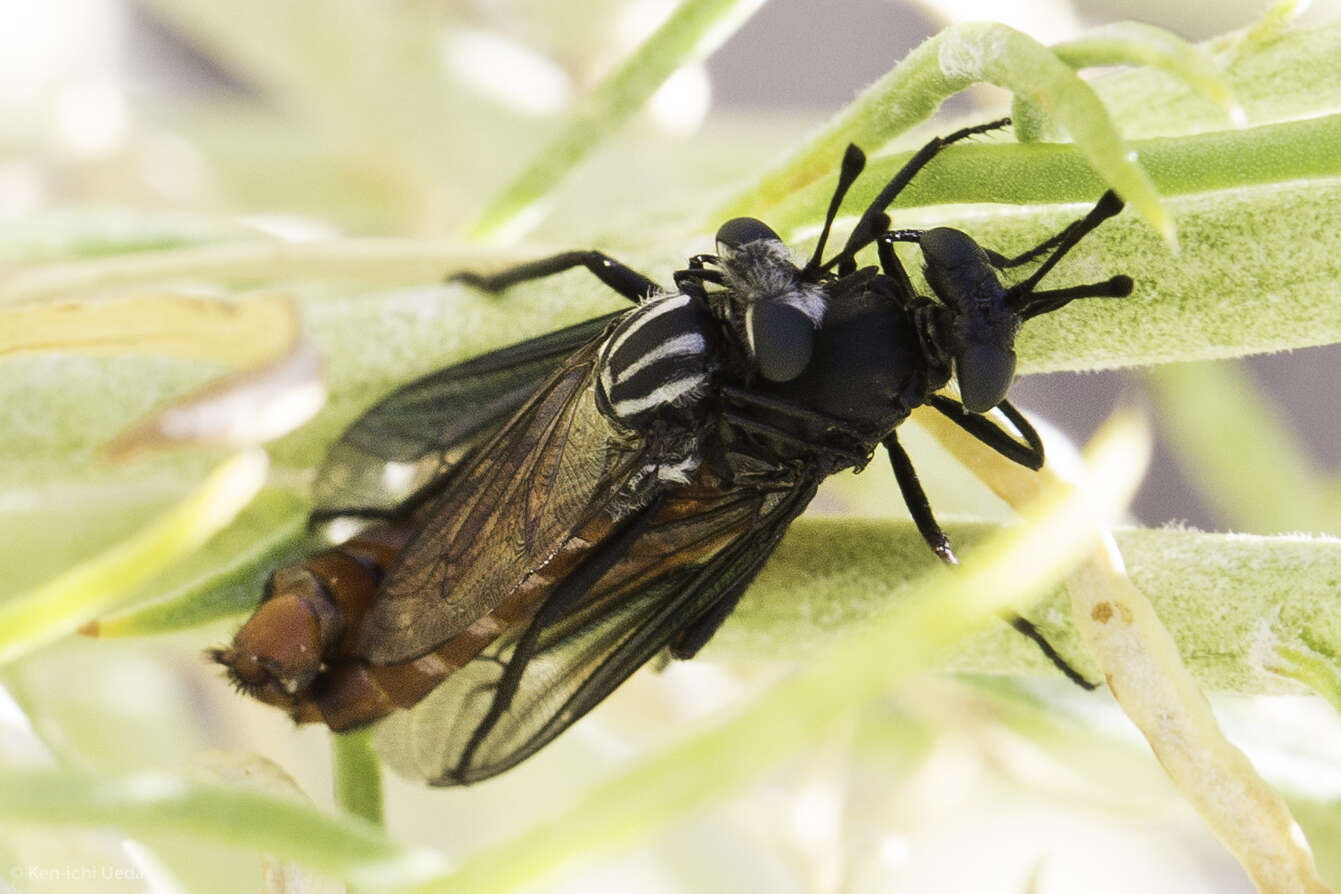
(503, 529)
(700, 549)
(427, 427)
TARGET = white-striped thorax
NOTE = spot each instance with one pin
(657, 362)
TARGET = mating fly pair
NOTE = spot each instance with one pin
(580, 502)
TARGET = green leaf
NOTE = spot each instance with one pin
(96, 232)
(831, 576)
(860, 668)
(55, 608)
(694, 30)
(1136, 43)
(163, 804)
(1050, 173)
(1240, 453)
(224, 577)
(1286, 76)
(942, 66)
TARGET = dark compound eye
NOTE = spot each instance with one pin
(781, 339)
(985, 372)
(741, 231)
(946, 247)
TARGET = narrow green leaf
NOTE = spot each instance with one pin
(224, 577)
(1228, 599)
(369, 260)
(90, 232)
(1243, 457)
(1131, 43)
(1278, 17)
(1319, 672)
(59, 606)
(1049, 173)
(1288, 75)
(693, 31)
(942, 66)
(158, 803)
(1136, 43)
(944, 606)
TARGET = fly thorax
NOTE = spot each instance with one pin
(657, 364)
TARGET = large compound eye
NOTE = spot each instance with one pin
(741, 231)
(946, 247)
(955, 266)
(781, 339)
(985, 372)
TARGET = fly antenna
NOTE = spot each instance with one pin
(854, 160)
(1108, 205)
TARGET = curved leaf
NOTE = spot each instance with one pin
(222, 578)
(942, 66)
(57, 607)
(1136, 43)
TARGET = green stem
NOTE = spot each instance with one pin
(1045, 173)
(693, 31)
(358, 775)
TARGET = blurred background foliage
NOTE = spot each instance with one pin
(128, 128)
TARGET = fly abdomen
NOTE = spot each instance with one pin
(351, 692)
(656, 362)
(306, 617)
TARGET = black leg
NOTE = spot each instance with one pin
(624, 280)
(868, 227)
(1028, 454)
(793, 410)
(916, 500)
(690, 640)
(931, 532)
(690, 281)
(1026, 627)
(852, 457)
(556, 605)
(1049, 300)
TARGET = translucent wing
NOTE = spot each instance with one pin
(426, 427)
(701, 548)
(506, 526)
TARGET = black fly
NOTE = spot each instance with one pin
(584, 500)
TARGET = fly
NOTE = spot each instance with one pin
(582, 501)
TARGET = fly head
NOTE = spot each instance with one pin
(984, 324)
(769, 302)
